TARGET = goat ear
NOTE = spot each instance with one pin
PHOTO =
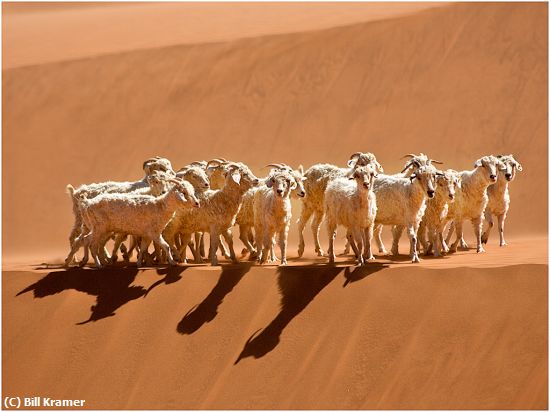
(351, 162)
(459, 182)
(236, 177)
(379, 168)
(518, 166)
(301, 169)
(478, 163)
(293, 185)
(413, 176)
(269, 182)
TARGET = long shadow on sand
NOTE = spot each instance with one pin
(172, 274)
(298, 286)
(112, 286)
(361, 272)
(207, 310)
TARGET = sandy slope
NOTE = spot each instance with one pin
(456, 82)
(298, 337)
(467, 331)
(35, 34)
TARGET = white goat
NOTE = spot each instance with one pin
(272, 213)
(318, 177)
(140, 215)
(245, 217)
(401, 203)
(414, 162)
(430, 232)
(215, 170)
(352, 203)
(471, 200)
(92, 190)
(499, 197)
(216, 214)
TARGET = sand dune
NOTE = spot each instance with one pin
(43, 33)
(299, 98)
(250, 337)
(457, 82)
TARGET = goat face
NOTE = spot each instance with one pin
(299, 178)
(243, 176)
(425, 177)
(508, 166)
(364, 176)
(489, 165)
(365, 159)
(281, 183)
(196, 176)
(446, 185)
(185, 193)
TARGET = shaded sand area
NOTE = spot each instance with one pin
(241, 336)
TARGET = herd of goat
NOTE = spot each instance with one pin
(173, 209)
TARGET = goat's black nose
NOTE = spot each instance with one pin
(493, 177)
(431, 193)
(508, 176)
(366, 185)
(279, 191)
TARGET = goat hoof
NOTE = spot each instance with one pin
(503, 244)
(320, 253)
(415, 259)
(283, 263)
(480, 249)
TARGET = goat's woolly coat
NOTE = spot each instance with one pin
(401, 202)
(139, 215)
(499, 196)
(272, 213)
(471, 199)
(317, 178)
(216, 215)
(434, 219)
(351, 204)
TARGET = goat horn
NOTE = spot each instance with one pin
(407, 165)
(214, 162)
(276, 165)
(356, 154)
(408, 155)
(436, 161)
